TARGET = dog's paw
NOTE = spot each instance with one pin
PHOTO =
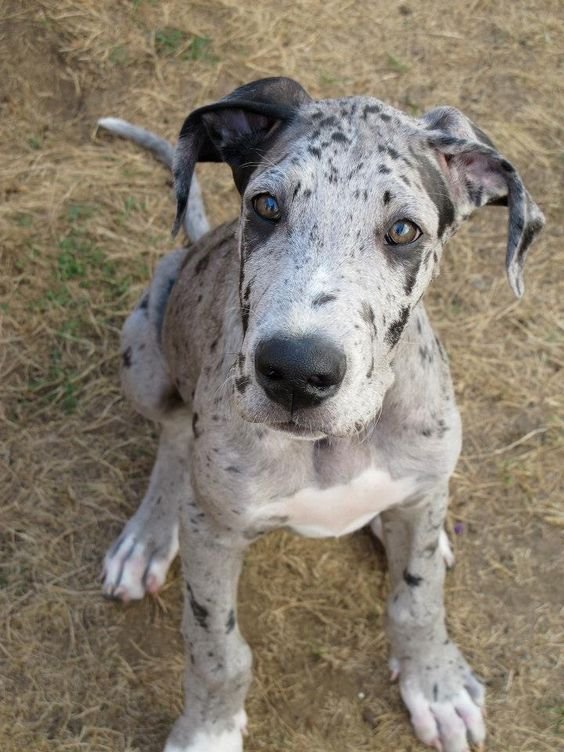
(444, 698)
(444, 542)
(134, 566)
(230, 740)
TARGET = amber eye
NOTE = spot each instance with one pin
(402, 232)
(266, 206)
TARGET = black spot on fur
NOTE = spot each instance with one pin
(296, 189)
(242, 383)
(386, 197)
(339, 136)
(233, 469)
(426, 354)
(307, 193)
(323, 299)
(213, 345)
(393, 153)
(314, 151)
(413, 580)
(367, 314)
(435, 692)
(202, 264)
(427, 433)
(126, 358)
(385, 117)
(230, 625)
(383, 170)
(370, 109)
(394, 332)
(329, 120)
(195, 430)
(442, 428)
(144, 304)
(200, 612)
(245, 310)
(371, 369)
(411, 278)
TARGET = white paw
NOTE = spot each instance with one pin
(133, 567)
(445, 549)
(445, 701)
(207, 741)
(444, 543)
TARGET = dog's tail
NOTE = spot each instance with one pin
(195, 220)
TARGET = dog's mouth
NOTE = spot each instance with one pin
(297, 430)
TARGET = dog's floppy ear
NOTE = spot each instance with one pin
(238, 130)
(479, 175)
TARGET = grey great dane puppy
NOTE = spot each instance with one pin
(290, 363)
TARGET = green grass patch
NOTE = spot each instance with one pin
(119, 55)
(24, 220)
(35, 142)
(78, 212)
(172, 42)
(397, 65)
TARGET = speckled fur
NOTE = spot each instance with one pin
(343, 171)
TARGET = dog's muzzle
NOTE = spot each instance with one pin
(299, 372)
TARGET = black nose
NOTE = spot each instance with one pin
(301, 371)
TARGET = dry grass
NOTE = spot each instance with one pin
(83, 221)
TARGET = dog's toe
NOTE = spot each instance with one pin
(133, 568)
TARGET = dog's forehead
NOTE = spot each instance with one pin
(360, 124)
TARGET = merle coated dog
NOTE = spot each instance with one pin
(297, 380)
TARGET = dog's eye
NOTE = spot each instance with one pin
(402, 232)
(266, 206)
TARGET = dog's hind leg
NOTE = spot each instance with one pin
(139, 559)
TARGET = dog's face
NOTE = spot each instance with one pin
(346, 205)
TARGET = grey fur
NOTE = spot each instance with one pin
(231, 465)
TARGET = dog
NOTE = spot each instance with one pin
(297, 380)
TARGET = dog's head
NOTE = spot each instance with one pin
(346, 205)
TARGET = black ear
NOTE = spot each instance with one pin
(479, 175)
(238, 130)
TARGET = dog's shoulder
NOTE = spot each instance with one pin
(207, 281)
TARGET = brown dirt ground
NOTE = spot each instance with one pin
(84, 219)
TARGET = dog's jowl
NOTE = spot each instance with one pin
(298, 383)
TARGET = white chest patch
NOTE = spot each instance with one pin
(344, 508)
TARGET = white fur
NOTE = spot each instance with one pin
(344, 508)
(226, 741)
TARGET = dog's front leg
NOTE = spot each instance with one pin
(443, 696)
(218, 660)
